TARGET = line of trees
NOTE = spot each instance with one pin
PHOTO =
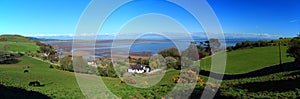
(193, 53)
(294, 48)
(47, 52)
(66, 64)
(107, 71)
(260, 43)
(172, 57)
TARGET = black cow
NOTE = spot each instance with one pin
(26, 71)
(34, 83)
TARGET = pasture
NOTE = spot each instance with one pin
(57, 84)
(271, 80)
(274, 85)
(247, 60)
(18, 44)
(62, 84)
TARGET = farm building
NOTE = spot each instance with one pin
(139, 69)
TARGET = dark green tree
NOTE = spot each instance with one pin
(172, 63)
(294, 48)
(139, 61)
(172, 52)
(66, 64)
(191, 52)
(47, 50)
(212, 45)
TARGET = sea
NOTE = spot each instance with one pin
(103, 48)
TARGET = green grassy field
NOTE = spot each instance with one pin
(15, 38)
(20, 47)
(247, 60)
(278, 85)
(127, 91)
(62, 84)
(58, 84)
(18, 44)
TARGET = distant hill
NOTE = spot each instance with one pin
(17, 43)
(42, 39)
(15, 38)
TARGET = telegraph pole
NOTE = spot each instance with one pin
(280, 55)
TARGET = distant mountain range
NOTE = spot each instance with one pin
(43, 39)
(158, 37)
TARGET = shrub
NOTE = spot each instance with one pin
(230, 48)
(145, 83)
(129, 80)
(172, 52)
(8, 58)
(200, 81)
(189, 76)
(175, 79)
(51, 66)
(172, 63)
(213, 85)
(3, 39)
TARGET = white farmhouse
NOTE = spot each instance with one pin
(138, 69)
(91, 62)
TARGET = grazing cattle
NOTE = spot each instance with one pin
(122, 81)
(34, 83)
(26, 71)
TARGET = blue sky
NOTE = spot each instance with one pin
(58, 17)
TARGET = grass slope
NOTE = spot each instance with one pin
(278, 85)
(247, 60)
(19, 43)
(61, 84)
(58, 84)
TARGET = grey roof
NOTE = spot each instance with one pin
(138, 67)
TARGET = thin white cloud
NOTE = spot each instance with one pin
(198, 34)
(43, 35)
(251, 35)
(238, 35)
(68, 35)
